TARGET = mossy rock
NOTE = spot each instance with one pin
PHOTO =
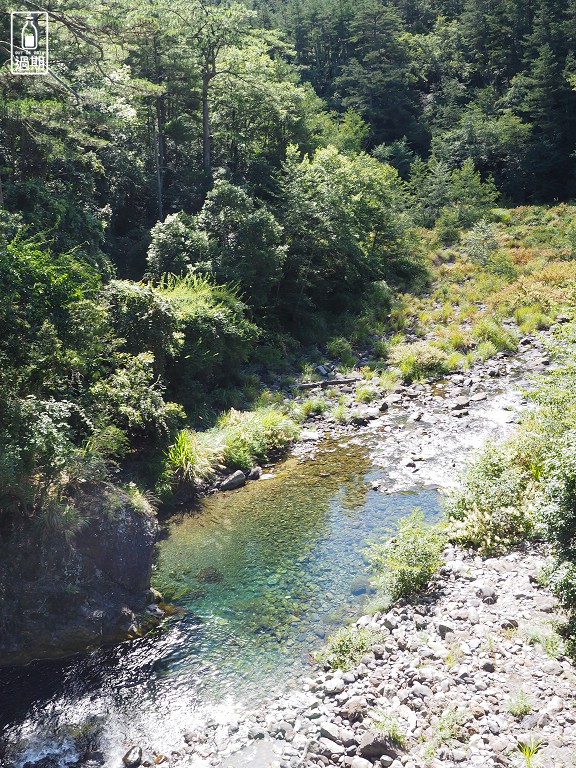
(209, 575)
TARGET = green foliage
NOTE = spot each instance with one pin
(480, 242)
(419, 360)
(528, 749)
(214, 335)
(519, 704)
(405, 564)
(345, 228)
(189, 460)
(488, 330)
(313, 406)
(342, 350)
(531, 319)
(132, 398)
(453, 199)
(345, 648)
(365, 394)
(250, 437)
(493, 509)
(449, 728)
(177, 246)
(388, 724)
(143, 319)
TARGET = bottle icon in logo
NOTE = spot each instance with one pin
(29, 34)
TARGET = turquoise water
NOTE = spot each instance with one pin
(257, 578)
(270, 569)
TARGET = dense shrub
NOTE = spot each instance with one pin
(419, 360)
(249, 437)
(214, 335)
(142, 318)
(405, 564)
(494, 507)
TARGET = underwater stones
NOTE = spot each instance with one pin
(209, 575)
(133, 757)
(235, 480)
(361, 585)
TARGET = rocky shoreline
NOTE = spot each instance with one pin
(464, 676)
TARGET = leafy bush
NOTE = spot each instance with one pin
(176, 246)
(142, 318)
(341, 348)
(249, 437)
(500, 264)
(419, 360)
(131, 398)
(345, 649)
(405, 564)
(215, 335)
(493, 509)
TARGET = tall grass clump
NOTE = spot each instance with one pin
(405, 564)
(532, 318)
(419, 360)
(346, 647)
(490, 330)
(249, 437)
(190, 460)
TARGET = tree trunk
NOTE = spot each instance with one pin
(158, 160)
(206, 138)
(159, 139)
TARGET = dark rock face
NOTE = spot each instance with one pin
(60, 597)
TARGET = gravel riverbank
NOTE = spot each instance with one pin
(463, 677)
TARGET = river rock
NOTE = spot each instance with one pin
(444, 628)
(235, 480)
(487, 593)
(328, 747)
(334, 686)
(330, 731)
(361, 762)
(375, 744)
(133, 757)
(354, 709)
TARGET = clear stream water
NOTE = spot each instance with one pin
(259, 576)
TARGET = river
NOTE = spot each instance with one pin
(258, 577)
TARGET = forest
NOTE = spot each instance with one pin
(200, 195)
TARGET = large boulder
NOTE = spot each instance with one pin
(375, 744)
(235, 480)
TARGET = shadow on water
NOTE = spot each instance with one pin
(261, 574)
